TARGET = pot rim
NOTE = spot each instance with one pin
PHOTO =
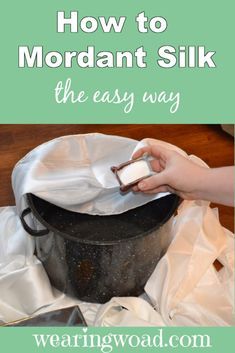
(55, 231)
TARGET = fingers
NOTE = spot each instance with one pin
(157, 165)
(153, 182)
(155, 151)
(163, 188)
(141, 151)
(158, 182)
(135, 188)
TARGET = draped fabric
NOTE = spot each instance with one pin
(184, 290)
(74, 172)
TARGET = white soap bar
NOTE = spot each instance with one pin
(134, 171)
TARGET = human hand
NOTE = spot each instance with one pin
(175, 173)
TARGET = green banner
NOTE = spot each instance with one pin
(117, 62)
(107, 340)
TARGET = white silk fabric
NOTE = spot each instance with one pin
(184, 290)
(73, 172)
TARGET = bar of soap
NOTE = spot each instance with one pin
(131, 172)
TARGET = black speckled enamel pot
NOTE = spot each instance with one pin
(95, 258)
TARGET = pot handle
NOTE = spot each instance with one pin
(28, 229)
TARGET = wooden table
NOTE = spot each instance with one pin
(208, 142)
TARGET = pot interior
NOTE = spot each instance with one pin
(82, 227)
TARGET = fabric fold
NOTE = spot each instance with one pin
(184, 290)
(74, 172)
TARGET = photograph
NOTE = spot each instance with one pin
(116, 225)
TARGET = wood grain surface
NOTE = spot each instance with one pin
(208, 142)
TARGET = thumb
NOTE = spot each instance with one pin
(153, 182)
